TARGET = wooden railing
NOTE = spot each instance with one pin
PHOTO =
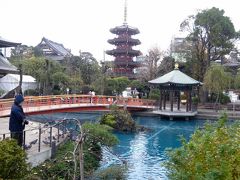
(37, 101)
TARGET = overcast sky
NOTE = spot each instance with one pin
(85, 24)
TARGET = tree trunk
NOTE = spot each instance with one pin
(216, 102)
(203, 94)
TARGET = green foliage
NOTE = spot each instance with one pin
(116, 85)
(109, 119)
(119, 120)
(211, 153)
(154, 94)
(223, 98)
(116, 172)
(195, 100)
(31, 92)
(59, 167)
(12, 160)
(138, 85)
(211, 36)
(75, 83)
(167, 65)
(218, 28)
(62, 166)
(216, 79)
(86, 66)
(237, 81)
(45, 71)
(98, 133)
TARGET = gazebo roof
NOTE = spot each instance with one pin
(175, 77)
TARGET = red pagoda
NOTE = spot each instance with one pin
(124, 54)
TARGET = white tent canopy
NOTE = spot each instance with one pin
(11, 81)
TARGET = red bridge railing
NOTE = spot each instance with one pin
(38, 101)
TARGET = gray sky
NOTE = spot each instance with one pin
(85, 24)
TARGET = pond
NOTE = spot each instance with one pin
(144, 152)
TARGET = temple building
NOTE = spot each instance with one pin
(52, 50)
(124, 64)
(5, 66)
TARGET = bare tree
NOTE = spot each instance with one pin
(152, 62)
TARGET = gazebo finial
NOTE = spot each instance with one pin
(176, 66)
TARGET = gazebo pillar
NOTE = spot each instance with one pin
(164, 100)
(179, 100)
(190, 100)
(187, 99)
(160, 103)
(171, 99)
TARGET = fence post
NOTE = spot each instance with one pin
(39, 139)
(53, 149)
(58, 133)
(50, 136)
(24, 138)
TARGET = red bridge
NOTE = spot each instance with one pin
(74, 103)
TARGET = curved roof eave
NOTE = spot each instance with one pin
(175, 77)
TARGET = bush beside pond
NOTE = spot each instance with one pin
(212, 153)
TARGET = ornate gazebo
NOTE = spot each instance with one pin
(172, 84)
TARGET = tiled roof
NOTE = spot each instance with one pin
(5, 43)
(175, 77)
(59, 48)
(6, 66)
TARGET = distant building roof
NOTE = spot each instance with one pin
(6, 43)
(6, 66)
(175, 77)
(55, 48)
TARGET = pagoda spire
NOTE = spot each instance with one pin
(125, 13)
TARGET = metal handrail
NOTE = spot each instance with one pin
(41, 130)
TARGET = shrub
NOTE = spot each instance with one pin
(62, 167)
(113, 172)
(12, 160)
(195, 100)
(154, 94)
(211, 153)
(31, 92)
(119, 120)
(223, 99)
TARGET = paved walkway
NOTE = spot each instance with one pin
(32, 136)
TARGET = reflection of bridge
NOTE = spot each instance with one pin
(74, 103)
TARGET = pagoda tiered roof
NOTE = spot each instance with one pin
(128, 63)
(124, 40)
(118, 52)
(124, 28)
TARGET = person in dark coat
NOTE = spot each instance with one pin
(17, 120)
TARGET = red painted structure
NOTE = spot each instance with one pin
(123, 62)
(74, 103)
